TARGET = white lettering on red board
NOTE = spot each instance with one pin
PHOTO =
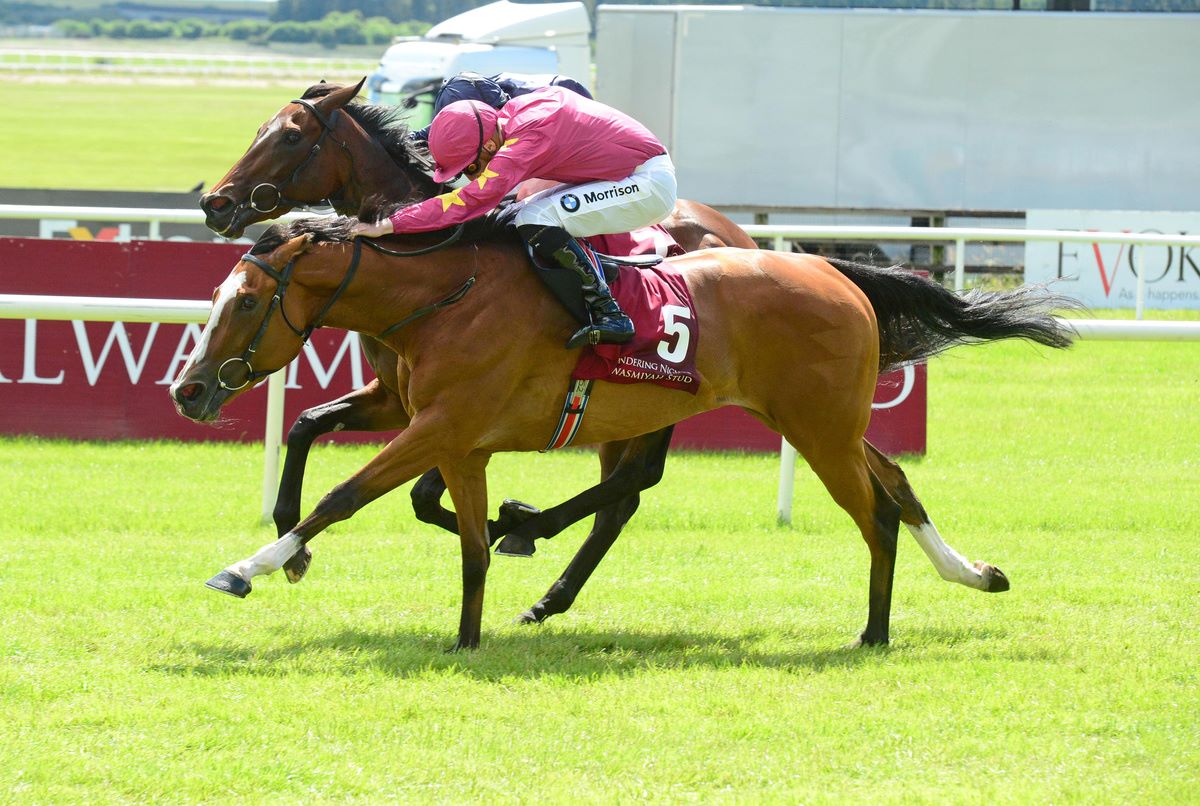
(135, 358)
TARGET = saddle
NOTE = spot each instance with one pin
(498, 224)
(610, 263)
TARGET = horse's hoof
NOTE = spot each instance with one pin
(512, 514)
(515, 546)
(297, 565)
(868, 641)
(227, 582)
(996, 581)
(528, 617)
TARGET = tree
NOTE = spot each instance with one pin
(290, 32)
(74, 29)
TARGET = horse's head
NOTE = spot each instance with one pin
(255, 328)
(288, 165)
(319, 148)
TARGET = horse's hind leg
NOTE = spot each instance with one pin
(626, 468)
(949, 563)
(426, 497)
(640, 466)
(847, 476)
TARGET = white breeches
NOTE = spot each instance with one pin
(645, 197)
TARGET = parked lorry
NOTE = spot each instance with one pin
(534, 39)
(769, 108)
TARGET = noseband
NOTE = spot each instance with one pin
(327, 127)
(283, 279)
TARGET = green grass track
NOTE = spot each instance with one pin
(124, 136)
(705, 662)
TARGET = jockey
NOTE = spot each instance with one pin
(616, 176)
(495, 91)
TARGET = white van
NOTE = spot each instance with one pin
(503, 37)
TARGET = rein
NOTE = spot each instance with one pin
(454, 297)
(283, 280)
(451, 239)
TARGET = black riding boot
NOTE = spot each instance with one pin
(609, 324)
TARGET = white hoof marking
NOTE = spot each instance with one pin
(951, 565)
(269, 559)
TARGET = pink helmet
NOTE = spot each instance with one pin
(457, 136)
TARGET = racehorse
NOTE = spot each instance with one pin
(323, 148)
(793, 339)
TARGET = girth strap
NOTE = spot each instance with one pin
(578, 394)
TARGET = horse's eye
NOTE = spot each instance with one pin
(291, 137)
(248, 303)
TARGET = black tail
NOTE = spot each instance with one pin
(919, 318)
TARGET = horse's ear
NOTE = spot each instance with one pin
(290, 250)
(341, 96)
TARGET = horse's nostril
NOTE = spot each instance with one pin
(189, 392)
(215, 204)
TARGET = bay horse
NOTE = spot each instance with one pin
(327, 147)
(795, 340)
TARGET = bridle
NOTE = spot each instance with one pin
(327, 127)
(283, 279)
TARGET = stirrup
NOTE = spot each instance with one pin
(598, 333)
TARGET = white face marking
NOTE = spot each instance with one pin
(268, 559)
(226, 295)
(273, 125)
(951, 565)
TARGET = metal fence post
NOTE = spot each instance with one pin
(787, 480)
(272, 440)
(960, 266)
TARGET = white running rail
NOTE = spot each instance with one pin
(960, 236)
(199, 65)
(132, 310)
(168, 311)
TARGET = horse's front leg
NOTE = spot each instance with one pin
(415, 449)
(467, 483)
(371, 408)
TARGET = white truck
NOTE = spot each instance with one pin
(531, 39)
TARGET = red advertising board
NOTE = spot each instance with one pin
(108, 380)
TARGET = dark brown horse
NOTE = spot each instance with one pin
(793, 339)
(325, 148)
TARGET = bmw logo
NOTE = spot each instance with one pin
(569, 202)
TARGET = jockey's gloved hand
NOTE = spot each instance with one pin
(362, 228)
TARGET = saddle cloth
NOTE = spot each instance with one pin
(653, 240)
(663, 351)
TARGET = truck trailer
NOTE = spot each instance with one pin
(912, 112)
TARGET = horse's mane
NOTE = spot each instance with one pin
(385, 125)
(322, 230)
